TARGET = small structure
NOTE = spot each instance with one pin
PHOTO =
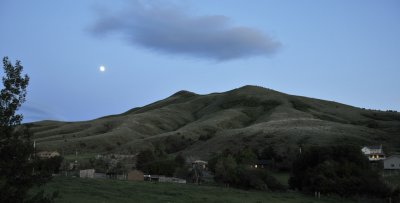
(136, 175)
(200, 163)
(87, 173)
(47, 154)
(374, 153)
(163, 179)
(392, 163)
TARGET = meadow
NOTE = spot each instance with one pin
(108, 191)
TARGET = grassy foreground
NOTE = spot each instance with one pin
(106, 191)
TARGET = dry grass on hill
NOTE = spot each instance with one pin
(199, 125)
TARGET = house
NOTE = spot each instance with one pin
(392, 163)
(135, 175)
(374, 153)
(200, 163)
(87, 173)
(47, 155)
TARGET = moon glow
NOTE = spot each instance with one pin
(102, 68)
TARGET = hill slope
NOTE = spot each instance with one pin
(202, 124)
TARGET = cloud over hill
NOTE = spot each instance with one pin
(168, 29)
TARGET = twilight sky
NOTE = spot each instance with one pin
(345, 51)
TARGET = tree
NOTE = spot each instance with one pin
(17, 163)
(180, 160)
(143, 158)
(246, 156)
(235, 170)
(12, 96)
(341, 170)
(225, 170)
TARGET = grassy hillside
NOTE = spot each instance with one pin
(108, 191)
(199, 125)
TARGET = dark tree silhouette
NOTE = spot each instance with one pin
(341, 170)
(17, 163)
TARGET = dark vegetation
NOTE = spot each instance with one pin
(341, 170)
(20, 169)
(157, 162)
(273, 125)
(235, 169)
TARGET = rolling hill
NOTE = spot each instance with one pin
(199, 125)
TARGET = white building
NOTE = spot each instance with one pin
(392, 163)
(87, 173)
(47, 155)
(374, 153)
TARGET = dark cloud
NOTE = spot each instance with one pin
(169, 29)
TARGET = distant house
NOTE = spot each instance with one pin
(374, 153)
(47, 155)
(392, 163)
(135, 175)
(200, 163)
(87, 173)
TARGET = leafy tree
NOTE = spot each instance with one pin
(143, 158)
(50, 165)
(161, 167)
(235, 170)
(159, 150)
(17, 165)
(12, 96)
(180, 160)
(225, 170)
(341, 170)
(246, 156)
(268, 153)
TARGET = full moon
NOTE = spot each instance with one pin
(102, 68)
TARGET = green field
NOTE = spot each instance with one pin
(105, 191)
